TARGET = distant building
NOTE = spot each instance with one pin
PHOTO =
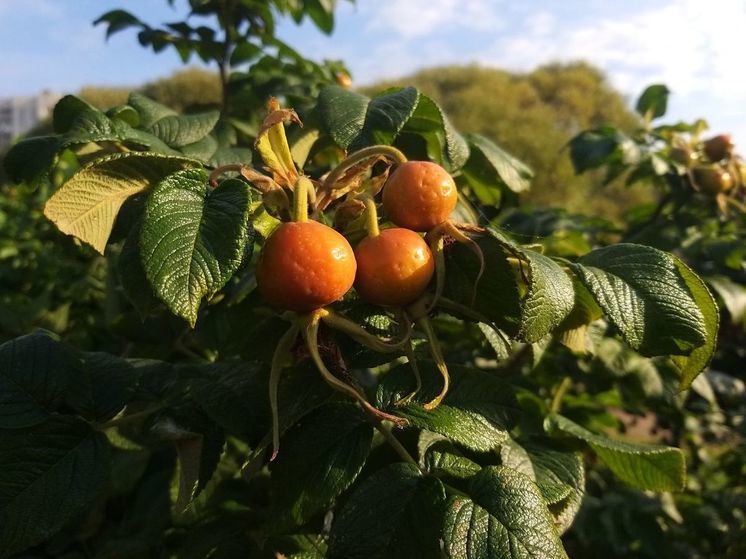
(18, 115)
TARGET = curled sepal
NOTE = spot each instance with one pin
(272, 144)
(362, 336)
(435, 240)
(409, 353)
(311, 336)
(348, 175)
(281, 359)
(422, 320)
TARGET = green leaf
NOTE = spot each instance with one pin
(558, 473)
(67, 110)
(150, 111)
(126, 114)
(118, 20)
(181, 130)
(244, 52)
(30, 160)
(442, 458)
(444, 144)
(318, 460)
(477, 411)
(524, 293)
(733, 296)
(650, 467)
(653, 102)
(642, 291)
(235, 395)
(490, 169)
(690, 366)
(504, 516)
(322, 13)
(87, 205)
(228, 155)
(37, 376)
(342, 114)
(498, 296)
(549, 300)
(353, 121)
(386, 115)
(199, 444)
(395, 513)
(110, 382)
(132, 274)
(594, 148)
(49, 475)
(193, 238)
(203, 149)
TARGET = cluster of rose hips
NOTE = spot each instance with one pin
(305, 265)
(712, 167)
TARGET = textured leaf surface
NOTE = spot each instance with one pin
(318, 460)
(497, 293)
(87, 204)
(385, 116)
(342, 114)
(642, 291)
(653, 467)
(442, 458)
(109, 382)
(477, 411)
(693, 364)
(549, 300)
(181, 130)
(558, 473)
(49, 475)
(524, 293)
(193, 238)
(150, 111)
(504, 516)
(235, 395)
(37, 373)
(393, 514)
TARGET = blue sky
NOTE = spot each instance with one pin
(694, 46)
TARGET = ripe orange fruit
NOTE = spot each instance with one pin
(419, 195)
(393, 268)
(305, 266)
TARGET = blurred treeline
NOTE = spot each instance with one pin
(531, 115)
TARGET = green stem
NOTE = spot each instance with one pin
(562, 389)
(360, 335)
(371, 223)
(131, 418)
(389, 152)
(311, 336)
(279, 360)
(385, 430)
(424, 323)
(300, 210)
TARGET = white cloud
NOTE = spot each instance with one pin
(419, 18)
(686, 43)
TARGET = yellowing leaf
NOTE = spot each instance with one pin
(86, 206)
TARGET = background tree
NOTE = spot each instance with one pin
(537, 114)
